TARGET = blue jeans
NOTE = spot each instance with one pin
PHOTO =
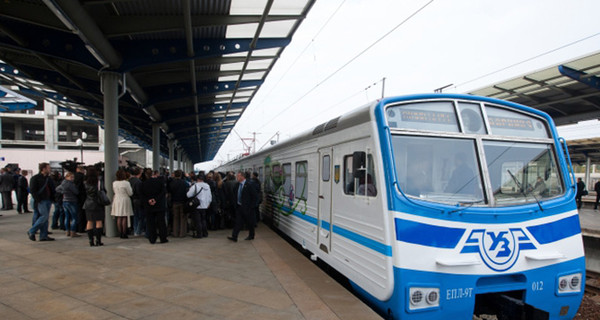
(70, 215)
(58, 216)
(41, 223)
(139, 219)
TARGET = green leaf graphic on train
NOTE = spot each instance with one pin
(284, 199)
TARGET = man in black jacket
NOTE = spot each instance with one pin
(246, 199)
(153, 194)
(6, 187)
(22, 193)
(177, 189)
(42, 190)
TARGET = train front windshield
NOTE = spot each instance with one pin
(461, 152)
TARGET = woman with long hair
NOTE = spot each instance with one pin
(121, 205)
(94, 211)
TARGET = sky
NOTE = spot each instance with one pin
(344, 48)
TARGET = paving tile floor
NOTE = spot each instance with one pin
(210, 278)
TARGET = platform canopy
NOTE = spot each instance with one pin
(582, 149)
(568, 92)
(12, 101)
(192, 66)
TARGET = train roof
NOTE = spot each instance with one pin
(352, 118)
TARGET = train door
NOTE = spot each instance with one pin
(324, 222)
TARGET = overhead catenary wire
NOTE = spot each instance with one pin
(313, 38)
(350, 61)
(528, 59)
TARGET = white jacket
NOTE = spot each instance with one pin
(204, 195)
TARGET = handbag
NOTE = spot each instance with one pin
(193, 202)
(103, 199)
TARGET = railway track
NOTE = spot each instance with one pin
(592, 282)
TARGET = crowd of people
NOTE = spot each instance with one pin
(146, 203)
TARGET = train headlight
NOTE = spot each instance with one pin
(569, 284)
(416, 297)
(574, 283)
(423, 298)
(432, 297)
(562, 284)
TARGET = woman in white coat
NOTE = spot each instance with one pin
(121, 205)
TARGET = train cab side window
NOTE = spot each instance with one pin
(301, 188)
(287, 178)
(359, 174)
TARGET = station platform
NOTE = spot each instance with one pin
(186, 278)
(590, 221)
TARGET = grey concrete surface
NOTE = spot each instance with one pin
(209, 278)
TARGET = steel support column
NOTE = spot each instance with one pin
(155, 146)
(179, 162)
(110, 86)
(171, 155)
(588, 165)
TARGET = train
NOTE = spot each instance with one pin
(434, 206)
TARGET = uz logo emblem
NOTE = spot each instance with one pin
(499, 249)
(499, 239)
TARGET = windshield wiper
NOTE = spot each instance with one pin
(465, 204)
(523, 190)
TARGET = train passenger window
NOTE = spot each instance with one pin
(268, 182)
(326, 168)
(359, 175)
(287, 178)
(276, 178)
(301, 187)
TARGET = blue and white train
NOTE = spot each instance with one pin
(434, 206)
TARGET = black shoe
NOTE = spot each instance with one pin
(90, 234)
(27, 211)
(98, 234)
(47, 239)
(19, 212)
(31, 236)
(249, 238)
(164, 241)
(232, 239)
(50, 232)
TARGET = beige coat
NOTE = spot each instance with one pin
(121, 204)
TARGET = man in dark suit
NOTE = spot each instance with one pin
(153, 192)
(22, 193)
(6, 187)
(246, 198)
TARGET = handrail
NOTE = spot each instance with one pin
(569, 164)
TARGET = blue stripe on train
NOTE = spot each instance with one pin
(350, 235)
(556, 230)
(448, 238)
(427, 235)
